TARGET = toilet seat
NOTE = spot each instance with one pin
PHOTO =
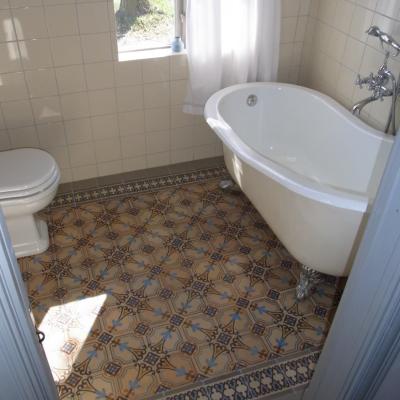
(28, 172)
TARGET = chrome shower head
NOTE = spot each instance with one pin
(374, 31)
(384, 38)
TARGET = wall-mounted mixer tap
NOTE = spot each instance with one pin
(383, 83)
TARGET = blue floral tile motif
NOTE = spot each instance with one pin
(172, 288)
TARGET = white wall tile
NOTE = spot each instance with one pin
(66, 50)
(61, 155)
(36, 53)
(204, 151)
(24, 137)
(17, 114)
(102, 101)
(134, 164)
(62, 20)
(46, 109)
(7, 32)
(78, 130)
(96, 47)
(182, 138)
(52, 134)
(156, 70)
(41, 83)
(100, 75)
(108, 150)
(5, 143)
(156, 95)
(71, 79)
(82, 154)
(178, 67)
(109, 168)
(93, 17)
(128, 73)
(157, 119)
(62, 90)
(4, 4)
(30, 23)
(9, 57)
(133, 146)
(290, 8)
(13, 86)
(131, 122)
(343, 24)
(130, 98)
(178, 91)
(181, 119)
(158, 160)
(181, 155)
(75, 105)
(104, 126)
(23, 3)
(2, 122)
(84, 172)
(157, 142)
(288, 29)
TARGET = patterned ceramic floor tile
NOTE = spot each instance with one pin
(151, 292)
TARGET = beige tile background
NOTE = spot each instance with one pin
(337, 49)
(62, 89)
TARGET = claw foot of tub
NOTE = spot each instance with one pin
(309, 278)
(228, 185)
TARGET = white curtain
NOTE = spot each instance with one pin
(229, 42)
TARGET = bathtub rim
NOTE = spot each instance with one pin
(300, 184)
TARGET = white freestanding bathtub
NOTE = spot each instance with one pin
(309, 167)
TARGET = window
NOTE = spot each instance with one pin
(147, 24)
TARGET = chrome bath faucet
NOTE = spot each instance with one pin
(383, 83)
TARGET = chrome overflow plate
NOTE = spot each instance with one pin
(252, 100)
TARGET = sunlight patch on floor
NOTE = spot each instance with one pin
(65, 325)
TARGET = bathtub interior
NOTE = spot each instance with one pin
(309, 135)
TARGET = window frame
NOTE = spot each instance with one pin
(180, 27)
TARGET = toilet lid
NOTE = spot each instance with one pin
(25, 171)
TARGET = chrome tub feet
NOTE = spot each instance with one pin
(227, 184)
(309, 278)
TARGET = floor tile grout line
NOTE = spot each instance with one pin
(203, 186)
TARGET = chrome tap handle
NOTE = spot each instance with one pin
(359, 81)
(362, 81)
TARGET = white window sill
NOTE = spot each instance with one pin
(146, 54)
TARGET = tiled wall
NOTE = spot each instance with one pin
(337, 48)
(63, 89)
(295, 16)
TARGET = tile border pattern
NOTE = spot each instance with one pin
(268, 379)
(138, 186)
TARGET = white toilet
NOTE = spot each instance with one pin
(29, 180)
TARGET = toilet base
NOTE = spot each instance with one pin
(29, 235)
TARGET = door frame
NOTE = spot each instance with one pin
(24, 370)
(363, 344)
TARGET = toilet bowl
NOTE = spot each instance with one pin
(29, 180)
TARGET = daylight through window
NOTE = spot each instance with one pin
(145, 24)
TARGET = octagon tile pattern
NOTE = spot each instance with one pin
(157, 290)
